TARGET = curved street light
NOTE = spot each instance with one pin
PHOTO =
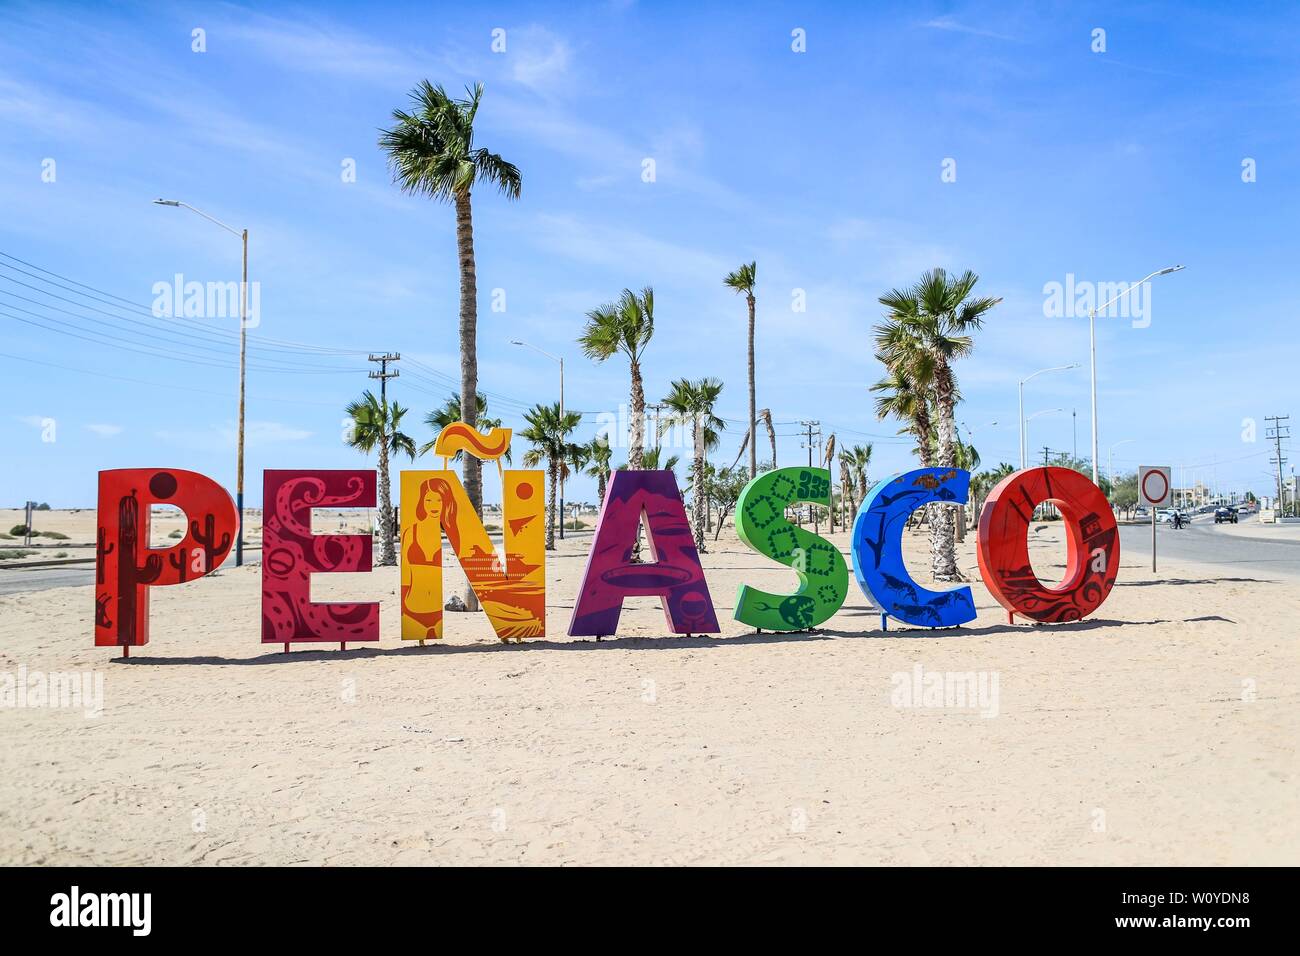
(243, 330)
(1092, 348)
(1054, 368)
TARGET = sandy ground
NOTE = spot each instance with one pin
(1161, 732)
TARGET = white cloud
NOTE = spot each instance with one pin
(953, 26)
(538, 58)
(105, 431)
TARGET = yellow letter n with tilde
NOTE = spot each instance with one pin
(434, 503)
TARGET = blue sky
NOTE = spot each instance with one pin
(825, 166)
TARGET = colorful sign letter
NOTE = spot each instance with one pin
(878, 548)
(1092, 545)
(514, 596)
(291, 554)
(676, 577)
(126, 567)
(761, 524)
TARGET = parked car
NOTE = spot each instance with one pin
(1225, 514)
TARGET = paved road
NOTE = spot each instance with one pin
(1205, 543)
(42, 579)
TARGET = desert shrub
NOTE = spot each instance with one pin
(18, 530)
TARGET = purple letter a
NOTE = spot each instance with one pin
(676, 577)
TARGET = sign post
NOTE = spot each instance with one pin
(1153, 491)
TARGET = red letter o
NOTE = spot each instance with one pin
(1092, 542)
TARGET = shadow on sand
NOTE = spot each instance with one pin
(666, 643)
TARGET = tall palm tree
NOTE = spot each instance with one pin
(377, 425)
(626, 326)
(860, 465)
(440, 418)
(431, 153)
(598, 452)
(766, 415)
(742, 280)
(548, 433)
(691, 403)
(937, 315)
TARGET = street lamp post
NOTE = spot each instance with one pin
(560, 359)
(243, 332)
(1092, 349)
(1024, 433)
(1055, 368)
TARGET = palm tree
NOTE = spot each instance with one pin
(598, 452)
(431, 153)
(847, 485)
(440, 418)
(742, 280)
(548, 433)
(650, 462)
(938, 314)
(766, 415)
(376, 425)
(860, 465)
(626, 326)
(692, 403)
(826, 463)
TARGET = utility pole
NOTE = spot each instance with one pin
(1074, 414)
(656, 407)
(1278, 432)
(810, 425)
(384, 375)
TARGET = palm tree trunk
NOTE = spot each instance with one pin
(943, 547)
(601, 483)
(700, 497)
(753, 415)
(387, 556)
(636, 440)
(552, 480)
(771, 436)
(473, 468)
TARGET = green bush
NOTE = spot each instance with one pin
(18, 530)
(56, 535)
(10, 554)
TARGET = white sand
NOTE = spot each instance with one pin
(1164, 731)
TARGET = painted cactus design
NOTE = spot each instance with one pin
(126, 568)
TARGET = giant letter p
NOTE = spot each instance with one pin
(126, 567)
